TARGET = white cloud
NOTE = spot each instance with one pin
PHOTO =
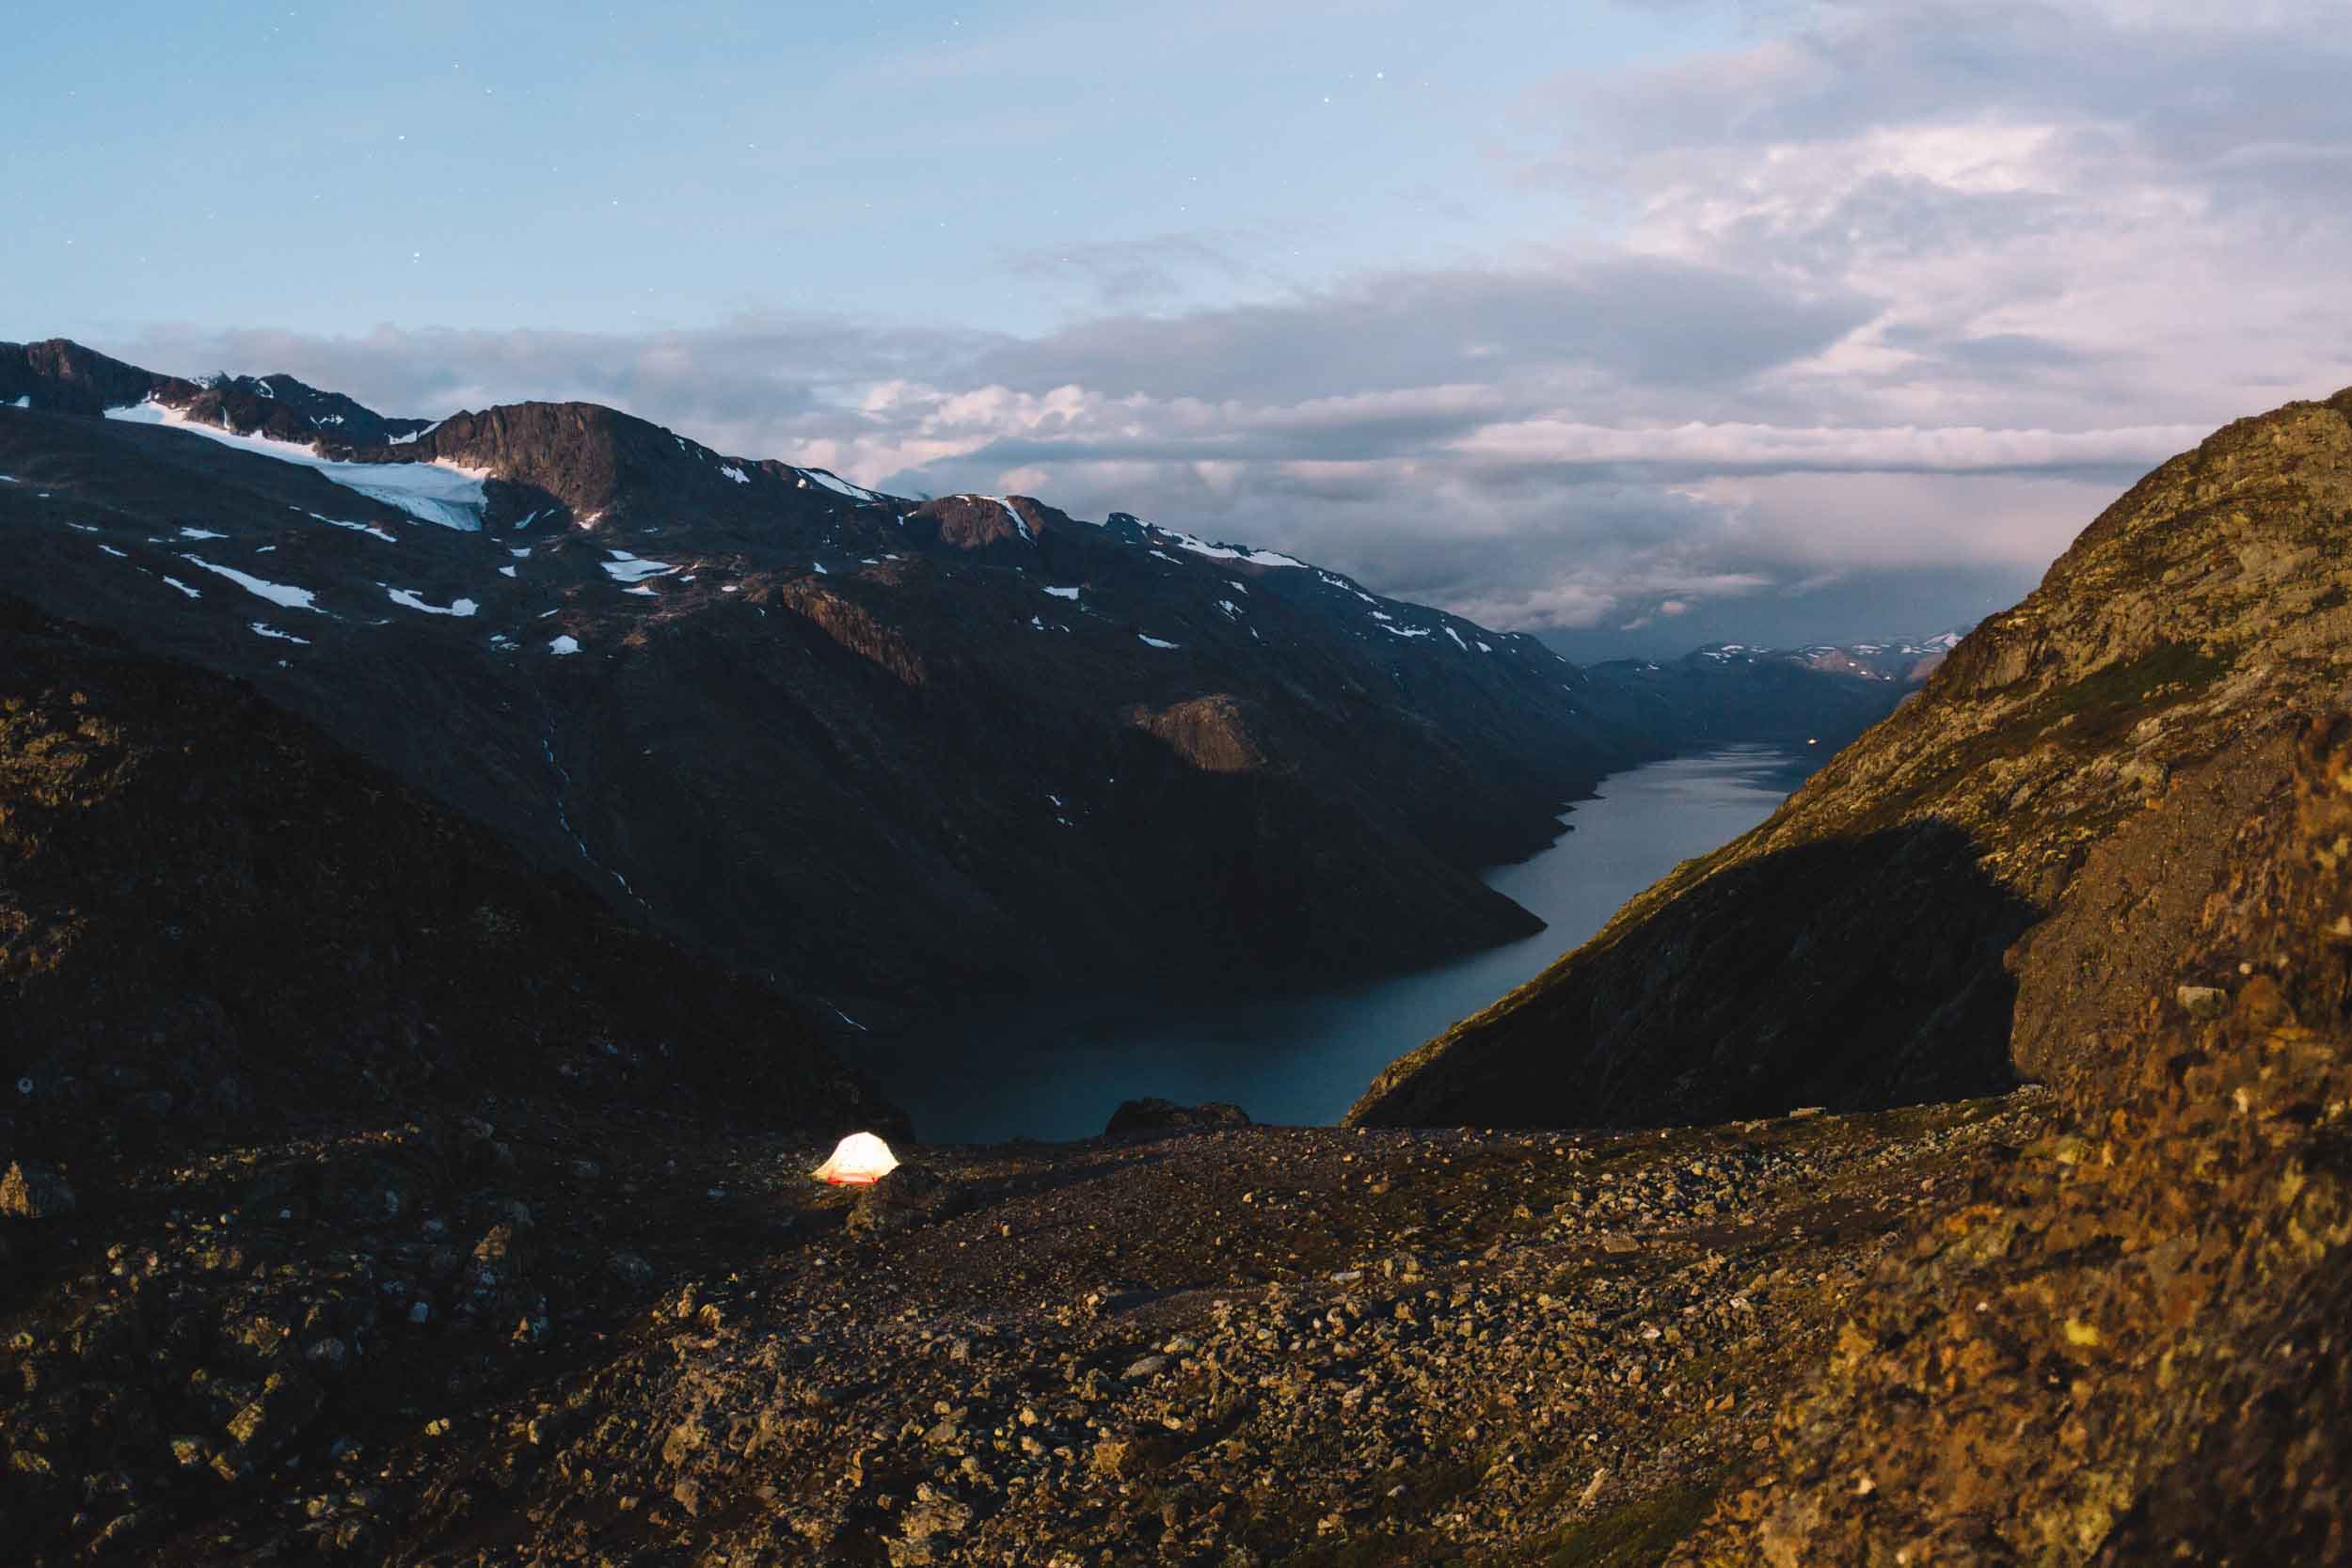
(1718, 448)
(1897, 296)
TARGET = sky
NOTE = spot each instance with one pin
(1635, 325)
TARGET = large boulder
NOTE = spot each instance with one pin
(1165, 1115)
(908, 1197)
(34, 1194)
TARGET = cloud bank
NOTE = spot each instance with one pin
(1893, 298)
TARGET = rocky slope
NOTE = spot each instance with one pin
(1234, 1347)
(2123, 1343)
(2068, 776)
(883, 748)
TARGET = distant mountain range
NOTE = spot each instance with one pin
(879, 748)
(1818, 697)
(892, 752)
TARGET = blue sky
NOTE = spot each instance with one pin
(1635, 325)
(320, 168)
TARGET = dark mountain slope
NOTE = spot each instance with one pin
(214, 919)
(64, 376)
(895, 752)
(317, 410)
(1851, 950)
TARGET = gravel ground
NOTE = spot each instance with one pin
(467, 1344)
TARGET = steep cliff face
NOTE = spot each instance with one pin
(2080, 753)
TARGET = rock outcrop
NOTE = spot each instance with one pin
(1165, 1115)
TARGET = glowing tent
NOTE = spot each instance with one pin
(858, 1160)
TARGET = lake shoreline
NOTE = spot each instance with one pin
(1052, 1068)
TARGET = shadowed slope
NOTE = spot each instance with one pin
(1801, 978)
(211, 918)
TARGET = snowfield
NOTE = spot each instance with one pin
(1226, 552)
(438, 492)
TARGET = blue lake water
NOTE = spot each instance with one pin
(1057, 1069)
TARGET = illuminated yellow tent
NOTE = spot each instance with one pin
(858, 1160)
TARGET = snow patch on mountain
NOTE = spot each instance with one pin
(1226, 552)
(407, 599)
(356, 528)
(1020, 523)
(276, 592)
(625, 567)
(840, 485)
(438, 492)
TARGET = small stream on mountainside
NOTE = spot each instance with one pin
(1058, 1069)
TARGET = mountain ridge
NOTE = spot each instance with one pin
(879, 747)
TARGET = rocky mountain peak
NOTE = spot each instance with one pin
(61, 374)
